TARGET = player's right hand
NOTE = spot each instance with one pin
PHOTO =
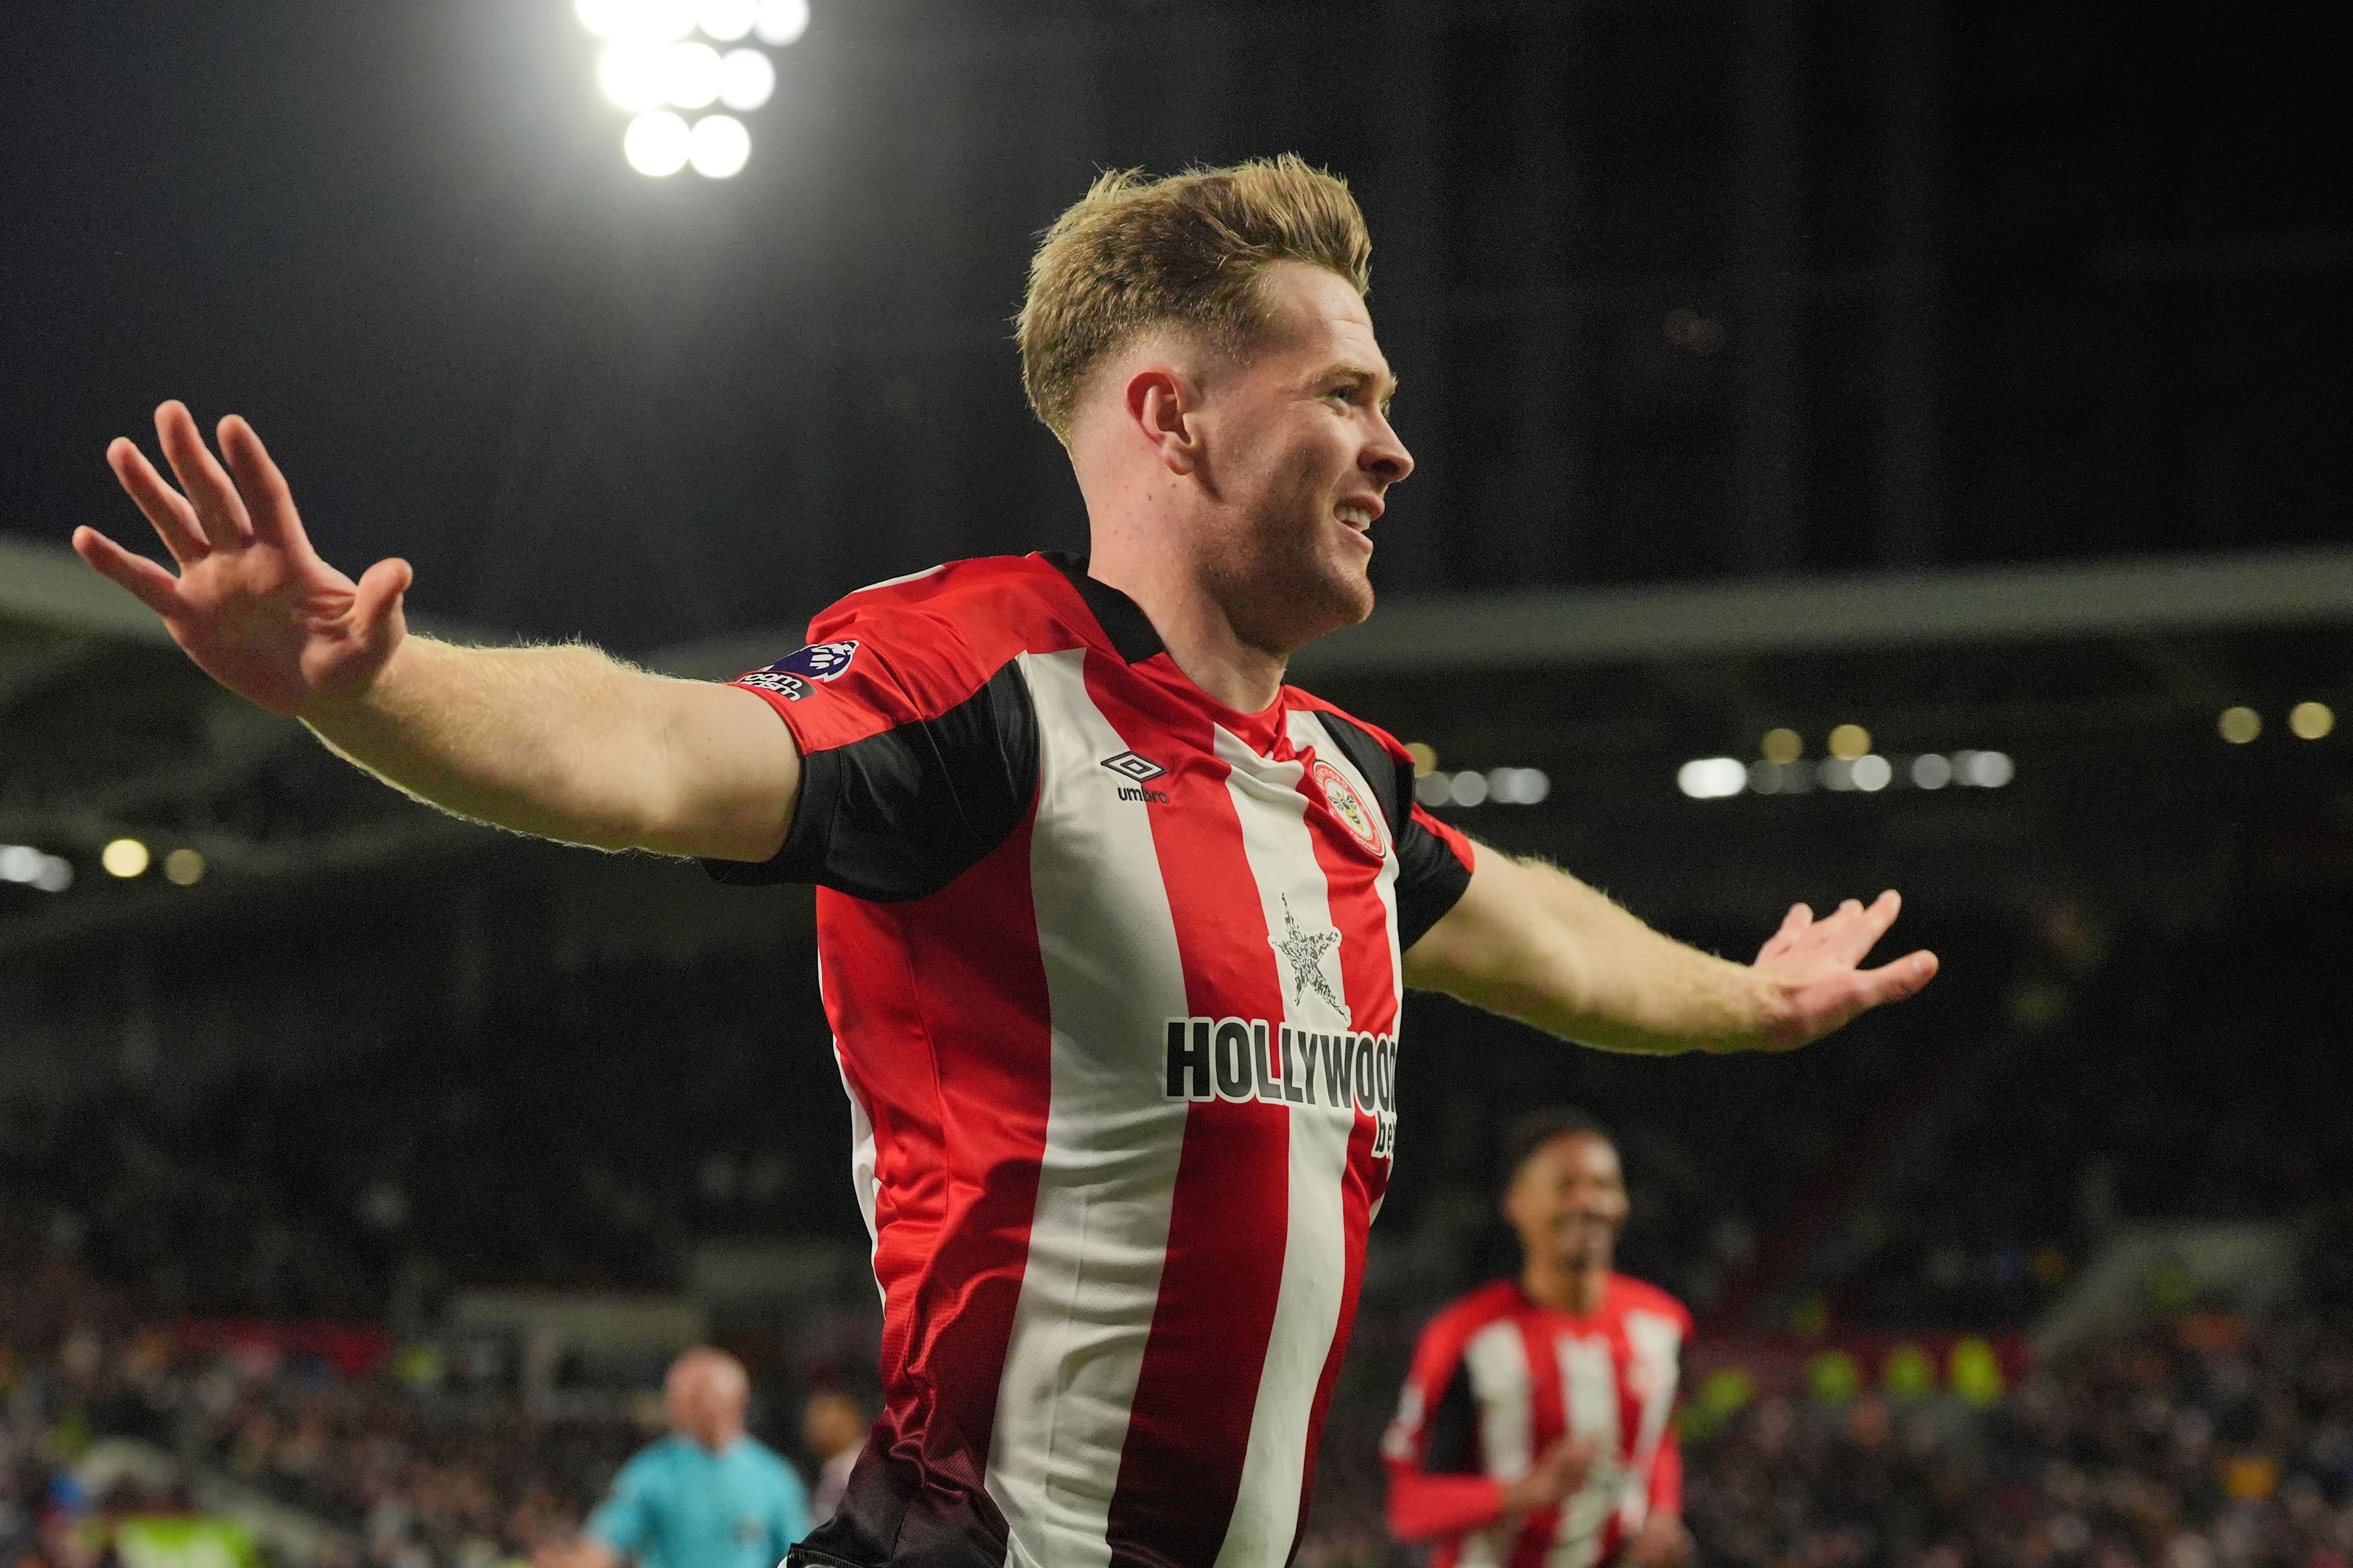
(253, 605)
(1558, 1473)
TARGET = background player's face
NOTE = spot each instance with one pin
(1298, 452)
(1568, 1202)
(831, 1424)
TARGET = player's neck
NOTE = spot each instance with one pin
(1574, 1288)
(1194, 627)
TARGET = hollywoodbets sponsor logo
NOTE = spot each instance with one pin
(1245, 1058)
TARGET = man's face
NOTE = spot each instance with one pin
(1298, 453)
(1568, 1202)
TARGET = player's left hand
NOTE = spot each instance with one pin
(1662, 1542)
(1813, 981)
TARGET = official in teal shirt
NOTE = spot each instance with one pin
(707, 1496)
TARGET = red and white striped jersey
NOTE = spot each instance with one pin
(1114, 975)
(1497, 1380)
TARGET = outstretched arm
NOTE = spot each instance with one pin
(1531, 941)
(562, 742)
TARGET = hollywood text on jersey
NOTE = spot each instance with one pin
(1250, 1059)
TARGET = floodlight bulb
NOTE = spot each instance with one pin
(1848, 741)
(1712, 778)
(782, 21)
(720, 146)
(185, 867)
(124, 857)
(657, 143)
(633, 75)
(601, 18)
(1873, 772)
(2239, 725)
(2310, 721)
(690, 76)
(1782, 746)
(746, 78)
(1930, 771)
(728, 20)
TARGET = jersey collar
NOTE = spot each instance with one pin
(1123, 622)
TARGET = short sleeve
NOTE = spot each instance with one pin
(916, 760)
(1434, 861)
(625, 1520)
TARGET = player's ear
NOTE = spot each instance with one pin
(1163, 404)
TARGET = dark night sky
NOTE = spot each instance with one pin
(401, 239)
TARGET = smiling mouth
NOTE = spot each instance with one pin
(1357, 514)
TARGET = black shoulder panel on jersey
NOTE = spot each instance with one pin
(1121, 619)
(1453, 1446)
(1430, 880)
(904, 813)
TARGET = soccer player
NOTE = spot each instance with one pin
(710, 1495)
(1534, 1427)
(1114, 926)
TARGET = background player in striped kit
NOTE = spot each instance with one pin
(1535, 1427)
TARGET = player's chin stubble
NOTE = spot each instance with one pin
(1283, 585)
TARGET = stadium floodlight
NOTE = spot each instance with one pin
(185, 867)
(633, 75)
(658, 142)
(124, 857)
(1873, 772)
(638, 21)
(1712, 778)
(746, 80)
(1781, 746)
(2311, 721)
(690, 75)
(30, 868)
(728, 20)
(2239, 725)
(782, 21)
(719, 146)
(1985, 770)
(1848, 741)
(1931, 771)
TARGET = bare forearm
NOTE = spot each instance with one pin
(558, 742)
(1537, 944)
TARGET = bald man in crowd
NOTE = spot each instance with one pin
(710, 1495)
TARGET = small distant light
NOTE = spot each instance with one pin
(719, 146)
(19, 862)
(1848, 741)
(1712, 778)
(2240, 725)
(1835, 774)
(728, 20)
(1930, 771)
(185, 867)
(1469, 788)
(1517, 786)
(1433, 789)
(1781, 746)
(55, 876)
(1873, 772)
(633, 75)
(2311, 721)
(690, 75)
(782, 21)
(1764, 777)
(1425, 758)
(1984, 770)
(657, 143)
(124, 857)
(746, 80)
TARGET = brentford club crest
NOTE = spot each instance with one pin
(1354, 814)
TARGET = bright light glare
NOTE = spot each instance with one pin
(728, 20)
(1985, 770)
(2311, 721)
(634, 76)
(28, 867)
(1518, 786)
(1848, 741)
(690, 74)
(1433, 789)
(1468, 788)
(185, 867)
(638, 21)
(782, 21)
(124, 857)
(1712, 778)
(1930, 771)
(2240, 725)
(719, 146)
(746, 79)
(1873, 772)
(657, 143)
(1782, 746)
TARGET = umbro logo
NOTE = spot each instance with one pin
(1139, 772)
(1135, 768)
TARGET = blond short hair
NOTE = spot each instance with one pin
(1186, 251)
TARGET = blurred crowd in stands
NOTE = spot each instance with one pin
(1948, 1169)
